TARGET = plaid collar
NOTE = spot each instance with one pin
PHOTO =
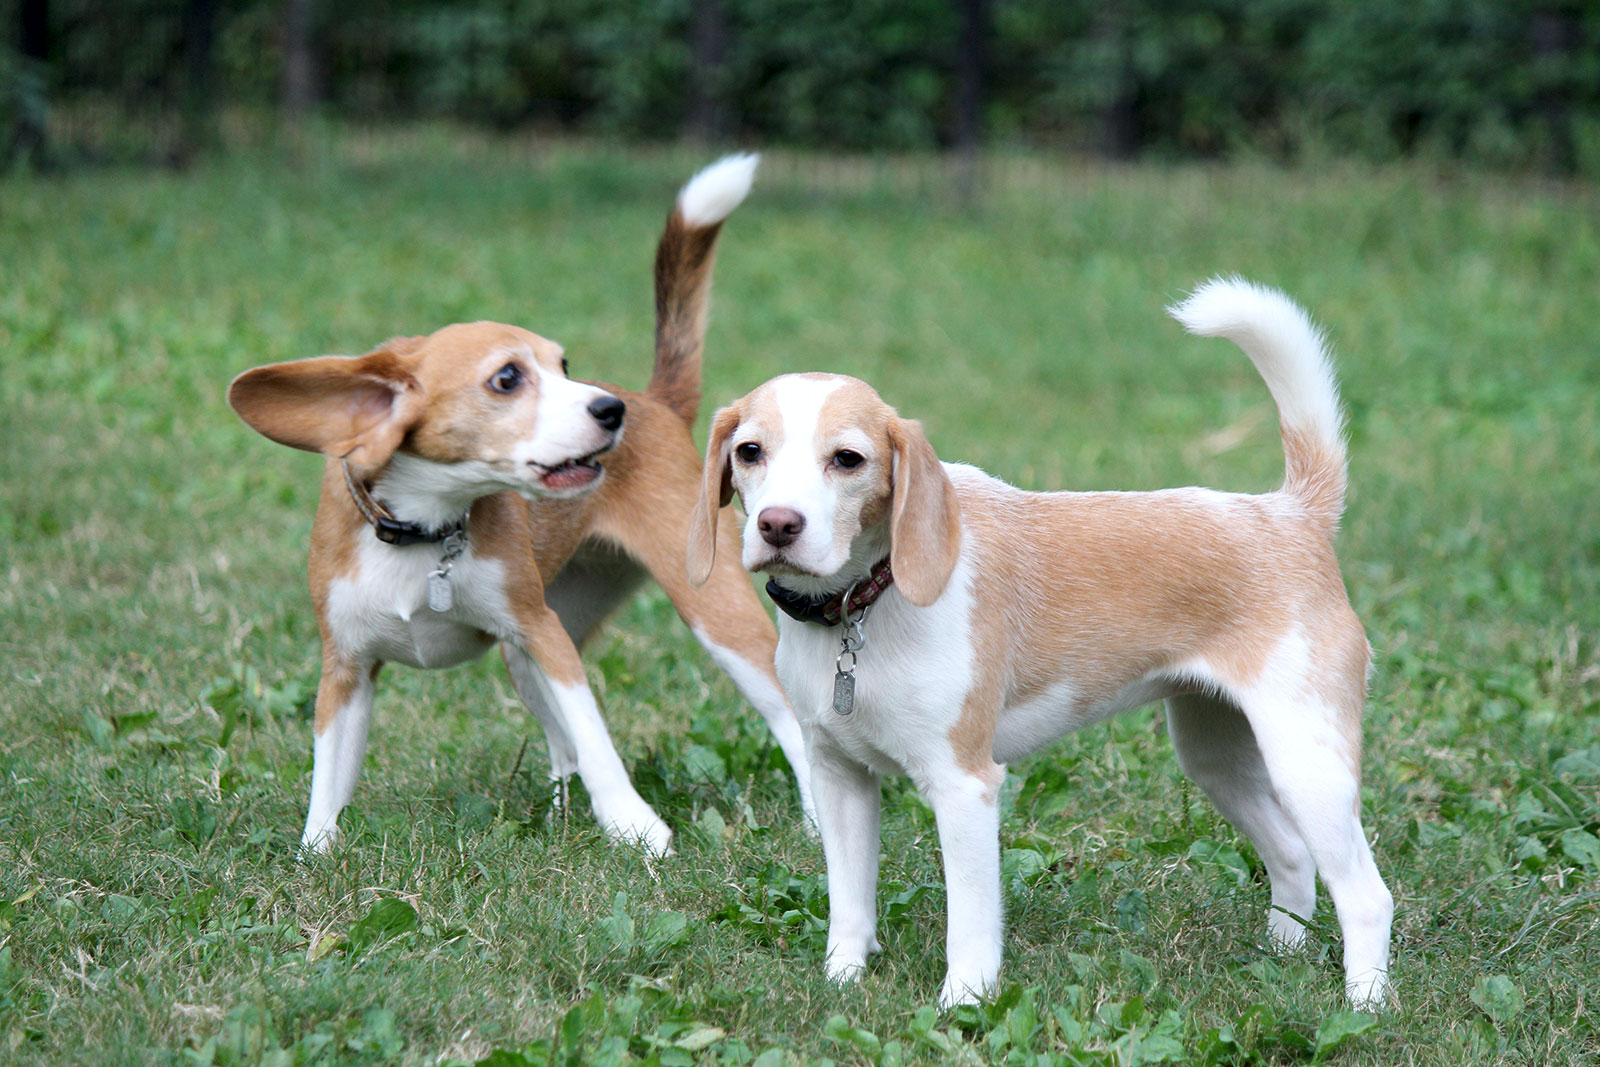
(830, 611)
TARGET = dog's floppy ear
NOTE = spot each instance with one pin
(355, 408)
(925, 521)
(716, 491)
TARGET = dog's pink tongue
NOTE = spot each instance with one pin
(570, 477)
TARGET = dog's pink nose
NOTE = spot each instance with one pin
(780, 526)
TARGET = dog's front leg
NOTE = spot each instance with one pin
(533, 690)
(344, 711)
(549, 677)
(966, 808)
(847, 797)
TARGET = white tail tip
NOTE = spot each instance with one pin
(1280, 339)
(1222, 307)
(712, 194)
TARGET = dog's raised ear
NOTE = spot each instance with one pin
(355, 408)
(716, 491)
(925, 518)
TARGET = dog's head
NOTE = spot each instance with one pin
(832, 479)
(488, 407)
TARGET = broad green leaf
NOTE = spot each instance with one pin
(1340, 1027)
(388, 918)
(1500, 998)
(839, 1029)
(701, 1037)
(1582, 847)
(618, 926)
(704, 764)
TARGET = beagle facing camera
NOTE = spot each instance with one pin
(939, 623)
(474, 494)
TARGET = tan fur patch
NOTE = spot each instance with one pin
(1105, 588)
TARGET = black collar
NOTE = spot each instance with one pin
(830, 610)
(387, 528)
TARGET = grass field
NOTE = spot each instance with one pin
(158, 651)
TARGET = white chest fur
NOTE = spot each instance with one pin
(912, 677)
(381, 611)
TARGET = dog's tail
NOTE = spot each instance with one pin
(1290, 353)
(683, 277)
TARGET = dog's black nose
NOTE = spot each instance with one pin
(780, 526)
(607, 411)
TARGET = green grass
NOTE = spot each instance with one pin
(157, 648)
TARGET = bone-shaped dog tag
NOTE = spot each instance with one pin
(440, 595)
(844, 693)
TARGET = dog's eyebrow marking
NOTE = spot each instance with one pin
(847, 421)
(800, 404)
(513, 350)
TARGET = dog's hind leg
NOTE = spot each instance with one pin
(344, 711)
(1217, 749)
(1313, 774)
(727, 619)
(740, 639)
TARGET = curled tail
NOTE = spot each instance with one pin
(683, 277)
(1289, 352)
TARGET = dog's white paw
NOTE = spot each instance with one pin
(638, 825)
(847, 956)
(319, 841)
(957, 991)
(1369, 992)
(1285, 932)
(846, 971)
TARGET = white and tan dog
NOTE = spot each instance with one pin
(986, 622)
(474, 494)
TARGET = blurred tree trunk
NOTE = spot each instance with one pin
(707, 46)
(35, 43)
(1553, 35)
(199, 101)
(971, 70)
(1119, 118)
(299, 61)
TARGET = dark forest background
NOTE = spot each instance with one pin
(1498, 83)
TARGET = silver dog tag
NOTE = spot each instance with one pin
(844, 693)
(440, 595)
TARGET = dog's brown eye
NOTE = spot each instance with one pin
(749, 452)
(564, 366)
(847, 459)
(507, 379)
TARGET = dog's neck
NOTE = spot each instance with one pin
(432, 495)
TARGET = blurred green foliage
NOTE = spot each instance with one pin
(1505, 83)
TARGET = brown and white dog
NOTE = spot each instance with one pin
(474, 494)
(983, 622)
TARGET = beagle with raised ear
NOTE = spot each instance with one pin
(474, 493)
(940, 623)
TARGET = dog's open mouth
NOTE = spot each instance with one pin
(573, 474)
